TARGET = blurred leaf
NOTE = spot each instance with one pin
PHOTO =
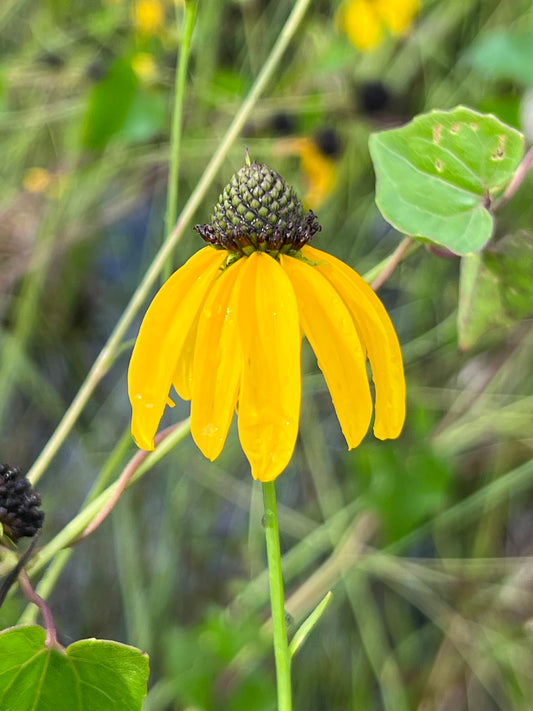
(199, 659)
(512, 262)
(109, 104)
(147, 117)
(495, 288)
(90, 675)
(436, 175)
(504, 55)
(506, 108)
(403, 492)
(480, 308)
(227, 84)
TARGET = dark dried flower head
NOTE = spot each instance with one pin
(259, 211)
(19, 514)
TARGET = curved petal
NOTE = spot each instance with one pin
(182, 380)
(330, 330)
(271, 388)
(161, 337)
(378, 335)
(217, 364)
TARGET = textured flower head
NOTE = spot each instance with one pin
(226, 330)
(367, 22)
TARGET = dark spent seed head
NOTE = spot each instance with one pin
(19, 514)
(257, 210)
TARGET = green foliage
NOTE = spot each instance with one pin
(199, 663)
(504, 54)
(403, 492)
(90, 675)
(437, 176)
(480, 307)
(109, 104)
(495, 289)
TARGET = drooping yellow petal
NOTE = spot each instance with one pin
(270, 394)
(397, 14)
(161, 337)
(362, 24)
(330, 330)
(182, 380)
(379, 337)
(217, 364)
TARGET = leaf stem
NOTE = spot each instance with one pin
(517, 179)
(48, 618)
(389, 264)
(393, 261)
(279, 628)
(177, 121)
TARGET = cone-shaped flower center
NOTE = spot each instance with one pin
(259, 211)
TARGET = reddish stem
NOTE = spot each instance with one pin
(517, 180)
(396, 257)
(122, 483)
(49, 625)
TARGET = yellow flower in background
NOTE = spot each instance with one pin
(225, 331)
(320, 172)
(317, 163)
(144, 65)
(366, 22)
(37, 180)
(148, 16)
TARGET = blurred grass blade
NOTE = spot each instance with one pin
(305, 629)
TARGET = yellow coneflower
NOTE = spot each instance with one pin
(225, 331)
(366, 22)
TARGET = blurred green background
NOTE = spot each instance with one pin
(425, 541)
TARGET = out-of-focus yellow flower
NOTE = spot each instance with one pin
(148, 16)
(367, 21)
(144, 66)
(37, 180)
(318, 168)
(225, 330)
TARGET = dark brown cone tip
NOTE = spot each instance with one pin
(257, 210)
(18, 504)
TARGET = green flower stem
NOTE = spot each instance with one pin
(177, 121)
(108, 352)
(279, 628)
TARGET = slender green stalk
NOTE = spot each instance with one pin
(107, 354)
(177, 121)
(275, 577)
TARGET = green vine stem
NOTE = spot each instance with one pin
(177, 121)
(275, 577)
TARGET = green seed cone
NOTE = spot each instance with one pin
(257, 210)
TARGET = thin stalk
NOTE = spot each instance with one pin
(49, 625)
(387, 265)
(177, 122)
(275, 577)
(107, 354)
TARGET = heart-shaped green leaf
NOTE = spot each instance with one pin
(437, 175)
(90, 675)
